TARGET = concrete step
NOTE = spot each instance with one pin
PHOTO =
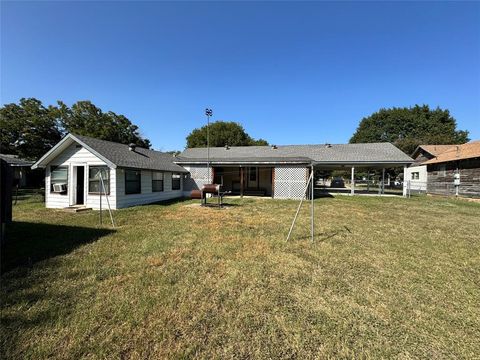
(76, 208)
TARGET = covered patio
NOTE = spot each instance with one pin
(358, 179)
(245, 180)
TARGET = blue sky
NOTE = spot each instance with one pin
(291, 73)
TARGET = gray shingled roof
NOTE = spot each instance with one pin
(321, 154)
(14, 160)
(120, 155)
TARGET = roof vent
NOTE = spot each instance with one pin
(328, 145)
(227, 147)
(132, 146)
(274, 147)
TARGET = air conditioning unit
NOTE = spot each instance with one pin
(59, 188)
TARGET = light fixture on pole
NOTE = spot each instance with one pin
(208, 113)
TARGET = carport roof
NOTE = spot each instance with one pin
(335, 154)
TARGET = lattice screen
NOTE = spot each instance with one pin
(290, 182)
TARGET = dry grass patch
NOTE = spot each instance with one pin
(385, 278)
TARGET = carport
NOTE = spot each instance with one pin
(376, 178)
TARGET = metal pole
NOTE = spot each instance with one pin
(313, 205)
(208, 147)
(108, 201)
(299, 206)
(352, 182)
(100, 200)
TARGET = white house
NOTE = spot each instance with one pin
(131, 175)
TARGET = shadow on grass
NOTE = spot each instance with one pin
(324, 236)
(28, 243)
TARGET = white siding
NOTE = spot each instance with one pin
(146, 196)
(76, 155)
(421, 183)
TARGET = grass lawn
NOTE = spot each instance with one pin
(386, 277)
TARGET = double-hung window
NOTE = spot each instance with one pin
(133, 182)
(95, 176)
(176, 179)
(157, 181)
(58, 176)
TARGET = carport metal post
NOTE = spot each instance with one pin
(383, 181)
(352, 182)
(368, 181)
(241, 181)
(404, 180)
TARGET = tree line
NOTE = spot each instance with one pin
(29, 129)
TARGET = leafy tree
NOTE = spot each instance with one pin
(84, 118)
(409, 127)
(222, 133)
(28, 129)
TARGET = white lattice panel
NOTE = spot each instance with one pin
(290, 182)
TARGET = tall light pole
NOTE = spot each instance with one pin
(208, 113)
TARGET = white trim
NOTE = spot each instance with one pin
(37, 164)
(61, 142)
(73, 191)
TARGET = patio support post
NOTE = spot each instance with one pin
(241, 181)
(352, 182)
(368, 181)
(383, 181)
(404, 180)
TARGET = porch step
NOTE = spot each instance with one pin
(76, 208)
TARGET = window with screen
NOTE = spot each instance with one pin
(132, 182)
(58, 175)
(176, 179)
(415, 175)
(157, 181)
(95, 176)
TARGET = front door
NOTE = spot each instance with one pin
(80, 185)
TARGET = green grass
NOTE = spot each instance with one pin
(386, 277)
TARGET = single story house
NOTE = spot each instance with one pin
(455, 171)
(282, 171)
(416, 173)
(134, 176)
(131, 175)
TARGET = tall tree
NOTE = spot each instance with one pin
(84, 118)
(222, 133)
(28, 129)
(409, 127)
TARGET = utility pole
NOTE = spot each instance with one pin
(208, 113)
